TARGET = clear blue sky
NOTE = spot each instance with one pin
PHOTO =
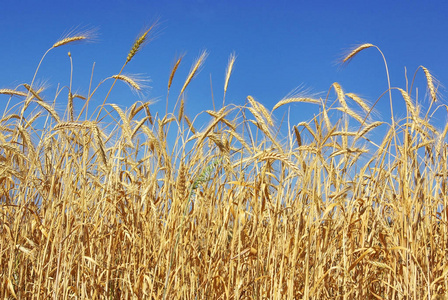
(279, 45)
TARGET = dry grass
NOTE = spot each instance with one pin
(235, 210)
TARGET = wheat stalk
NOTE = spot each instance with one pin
(31, 120)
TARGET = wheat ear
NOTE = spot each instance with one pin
(194, 70)
(173, 71)
(139, 43)
(355, 51)
(431, 88)
(75, 37)
(12, 92)
(295, 99)
(359, 101)
(229, 69)
(129, 81)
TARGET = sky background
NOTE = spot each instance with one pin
(280, 45)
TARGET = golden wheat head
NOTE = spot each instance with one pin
(430, 81)
(229, 69)
(194, 70)
(12, 93)
(73, 36)
(135, 82)
(139, 43)
(355, 51)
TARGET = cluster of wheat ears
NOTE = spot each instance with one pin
(125, 204)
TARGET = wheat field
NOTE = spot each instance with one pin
(113, 203)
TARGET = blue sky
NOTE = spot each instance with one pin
(280, 45)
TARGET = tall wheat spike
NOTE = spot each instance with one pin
(430, 82)
(194, 70)
(129, 80)
(361, 102)
(355, 51)
(229, 70)
(139, 43)
(12, 92)
(69, 40)
(295, 99)
(173, 71)
(190, 125)
(73, 36)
